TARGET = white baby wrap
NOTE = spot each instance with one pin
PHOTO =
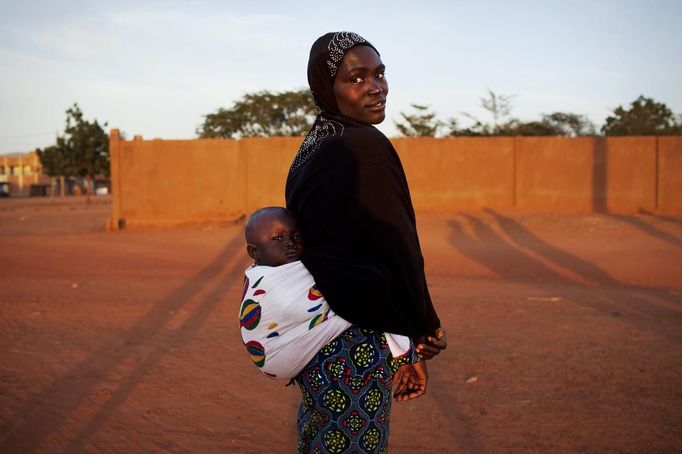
(285, 320)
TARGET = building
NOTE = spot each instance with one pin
(22, 174)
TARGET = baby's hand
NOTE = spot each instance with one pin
(410, 381)
(429, 346)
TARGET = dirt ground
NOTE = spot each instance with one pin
(565, 335)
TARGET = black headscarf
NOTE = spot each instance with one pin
(323, 63)
(349, 190)
(325, 57)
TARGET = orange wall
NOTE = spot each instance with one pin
(156, 182)
(175, 181)
(554, 172)
(267, 166)
(670, 174)
(586, 173)
(458, 172)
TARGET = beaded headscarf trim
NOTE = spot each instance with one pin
(323, 65)
(338, 45)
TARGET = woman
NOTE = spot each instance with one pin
(348, 187)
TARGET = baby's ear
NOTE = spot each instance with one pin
(252, 250)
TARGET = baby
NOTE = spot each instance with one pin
(284, 318)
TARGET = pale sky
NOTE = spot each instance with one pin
(155, 68)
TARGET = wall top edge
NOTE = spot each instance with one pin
(115, 132)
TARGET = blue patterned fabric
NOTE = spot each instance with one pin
(346, 392)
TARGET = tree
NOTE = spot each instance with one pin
(556, 124)
(477, 129)
(529, 128)
(499, 107)
(645, 117)
(569, 124)
(262, 114)
(54, 164)
(89, 145)
(421, 124)
(82, 151)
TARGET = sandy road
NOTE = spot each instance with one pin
(565, 336)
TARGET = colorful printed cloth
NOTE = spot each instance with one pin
(346, 392)
(285, 320)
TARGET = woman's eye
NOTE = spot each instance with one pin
(356, 80)
(381, 76)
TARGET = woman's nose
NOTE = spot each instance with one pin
(375, 89)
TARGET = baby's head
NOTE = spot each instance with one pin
(272, 237)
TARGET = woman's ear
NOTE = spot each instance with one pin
(252, 250)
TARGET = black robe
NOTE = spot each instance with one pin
(360, 235)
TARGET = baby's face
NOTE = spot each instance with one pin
(277, 240)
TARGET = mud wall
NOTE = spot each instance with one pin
(157, 182)
(669, 182)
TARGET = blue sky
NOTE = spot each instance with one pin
(156, 67)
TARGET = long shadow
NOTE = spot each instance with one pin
(524, 238)
(673, 220)
(518, 265)
(30, 425)
(180, 336)
(496, 254)
(648, 229)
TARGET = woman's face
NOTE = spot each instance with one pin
(360, 86)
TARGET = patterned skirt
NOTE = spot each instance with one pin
(346, 392)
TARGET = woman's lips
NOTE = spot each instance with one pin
(377, 106)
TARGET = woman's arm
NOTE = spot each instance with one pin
(429, 346)
(384, 196)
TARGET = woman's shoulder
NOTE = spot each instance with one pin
(359, 135)
(361, 142)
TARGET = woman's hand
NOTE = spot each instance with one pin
(429, 346)
(410, 381)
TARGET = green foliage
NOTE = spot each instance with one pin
(420, 124)
(645, 117)
(478, 128)
(83, 149)
(262, 114)
(569, 124)
(88, 143)
(556, 124)
(529, 128)
(53, 161)
(503, 124)
(499, 107)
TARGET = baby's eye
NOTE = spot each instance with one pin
(297, 237)
(278, 237)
